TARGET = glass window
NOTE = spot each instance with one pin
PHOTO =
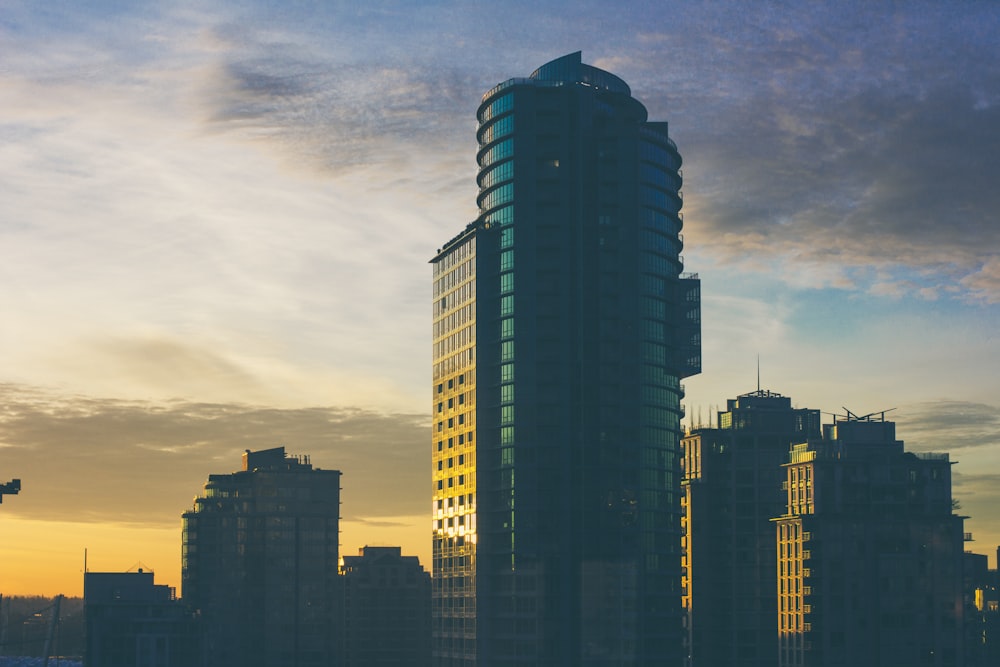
(507, 304)
(502, 150)
(500, 105)
(507, 282)
(507, 327)
(503, 171)
(507, 414)
(502, 216)
(500, 128)
(501, 195)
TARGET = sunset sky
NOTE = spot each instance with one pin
(216, 221)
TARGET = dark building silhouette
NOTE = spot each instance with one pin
(733, 484)
(562, 327)
(982, 613)
(259, 562)
(869, 553)
(132, 622)
(11, 488)
(387, 609)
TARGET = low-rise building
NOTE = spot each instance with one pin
(387, 605)
(132, 622)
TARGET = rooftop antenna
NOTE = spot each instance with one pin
(758, 373)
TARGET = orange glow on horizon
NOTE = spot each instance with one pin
(47, 557)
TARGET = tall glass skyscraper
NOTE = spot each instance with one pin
(563, 325)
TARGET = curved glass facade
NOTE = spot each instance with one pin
(584, 327)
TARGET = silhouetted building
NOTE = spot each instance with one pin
(982, 612)
(11, 488)
(260, 563)
(869, 553)
(562, 328)
(387, 609)
(132, 622)
(733, 484)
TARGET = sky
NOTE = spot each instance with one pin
(216, 221)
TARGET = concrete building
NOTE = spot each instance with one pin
(563, 325)
(733, 487)
(260, 563)
(869, 553)
(132, 622)
(982, 612)
(387, 609)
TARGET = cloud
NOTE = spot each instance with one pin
(841, 144)
(336, 113)
(108, 460)
(984, 284)
(949, 425)
(898, 183)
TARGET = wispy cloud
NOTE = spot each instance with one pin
(950, 425)
(838, 143)
(107, 460)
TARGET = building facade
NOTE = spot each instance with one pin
(869, 553)
(387, 609)
(133, 622)
(563, 325)
(733, 487)
(260, 563)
